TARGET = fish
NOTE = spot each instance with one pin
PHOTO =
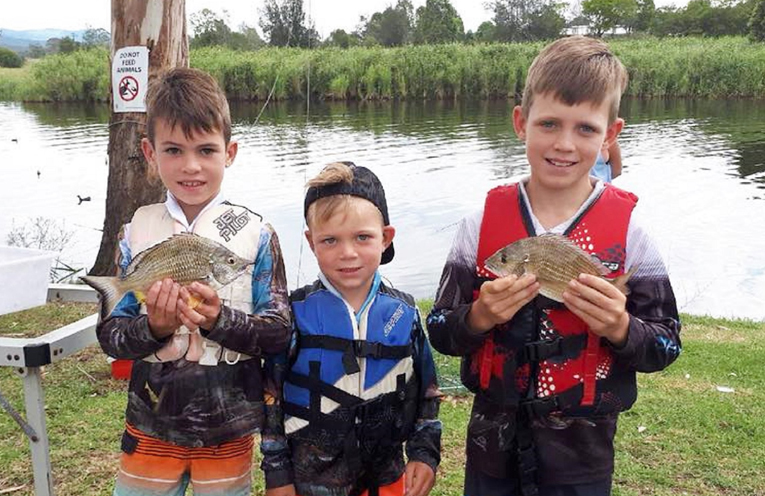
(554, 259)
(184, 258)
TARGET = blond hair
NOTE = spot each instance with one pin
(324, 208)
(190, 98)
(575, 70)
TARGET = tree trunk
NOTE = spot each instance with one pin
(159, 25)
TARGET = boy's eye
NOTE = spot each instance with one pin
(587, 128)
(172, 150)
(328, 241)
(364, 237)
(207, 151)
(547, 124)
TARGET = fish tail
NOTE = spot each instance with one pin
(109, 289)
(621, 281)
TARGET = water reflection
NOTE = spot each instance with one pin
(696, 165)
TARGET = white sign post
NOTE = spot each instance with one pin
(130, 77)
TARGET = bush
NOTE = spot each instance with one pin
(757, 22)
(9, 58)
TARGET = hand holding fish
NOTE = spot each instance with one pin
(500, 299)
(601, 305)
(161, 307)
(205, 313)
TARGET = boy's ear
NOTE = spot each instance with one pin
(231, 150)
(148, 152)
(309, 238)
(389, 232)
(519, 122)
(613, 132)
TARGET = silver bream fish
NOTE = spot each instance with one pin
(184, 258)
(554, 259)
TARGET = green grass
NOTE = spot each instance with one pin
(693, 67)
(683, 436)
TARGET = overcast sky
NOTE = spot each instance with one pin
(327, 14)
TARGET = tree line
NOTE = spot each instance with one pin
(284, 23)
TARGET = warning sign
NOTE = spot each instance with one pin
(130, 76)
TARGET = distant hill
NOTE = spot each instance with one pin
(19, 40)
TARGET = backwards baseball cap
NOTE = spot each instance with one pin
(365, 185)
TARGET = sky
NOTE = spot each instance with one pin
(326, 14)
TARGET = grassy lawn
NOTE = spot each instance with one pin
(683, 437)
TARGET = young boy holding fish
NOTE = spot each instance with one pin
(360, 381)
(196, 392)
(550, 377)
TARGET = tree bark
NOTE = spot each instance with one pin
(159, 25)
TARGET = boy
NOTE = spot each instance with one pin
(361, 379)
(549, 378)
(608, 165)
(196, 395)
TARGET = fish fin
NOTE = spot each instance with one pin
(193, 301)
(109, 289)
(621, 281)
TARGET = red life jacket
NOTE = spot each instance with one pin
(570, 362)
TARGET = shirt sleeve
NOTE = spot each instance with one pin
(277, 458)
(653, 339)
(447, 325)
(267, 329)
(424, 444)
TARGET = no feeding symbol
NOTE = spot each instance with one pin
(128, 88)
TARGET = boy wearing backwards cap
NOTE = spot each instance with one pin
(359, 381)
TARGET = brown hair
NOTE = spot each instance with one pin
(324, 208)
(190, 98)
(577, 69)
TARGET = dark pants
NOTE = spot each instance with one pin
(479, 484)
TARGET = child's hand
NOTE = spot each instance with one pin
(281, 491)
(203, 315)
(601, 305)
(500, 299)
(161, 307)
(419, 479)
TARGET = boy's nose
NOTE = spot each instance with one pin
(564, 142)
(191, 165)
(348, 250)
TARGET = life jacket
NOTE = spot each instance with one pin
(351, 368)
(234, 226)
(570, 366)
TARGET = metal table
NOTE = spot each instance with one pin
(27, 356)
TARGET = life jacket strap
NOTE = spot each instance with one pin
(536, 351)
(356, 348)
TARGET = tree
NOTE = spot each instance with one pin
(526, 20)
(486, 32)
(128, 185)
(643, 17)
(438, 22)
(391, 27)
(757, 22)
(61, 45)
(35, 51)
(92, 38)
(605, 15)
(9, 58)
(284, 24)
(209, 29)
(340, 38)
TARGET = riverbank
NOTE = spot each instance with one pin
(687, 434)
(730, 67)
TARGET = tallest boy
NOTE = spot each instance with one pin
(550, 379)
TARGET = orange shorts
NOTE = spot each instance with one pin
(158, 468)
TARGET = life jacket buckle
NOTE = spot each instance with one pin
(540, 407)
(537, 351)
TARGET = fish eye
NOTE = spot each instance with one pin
(231, 260)
(527, 258)
(503, 258)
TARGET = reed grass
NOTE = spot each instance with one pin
(729, 67)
